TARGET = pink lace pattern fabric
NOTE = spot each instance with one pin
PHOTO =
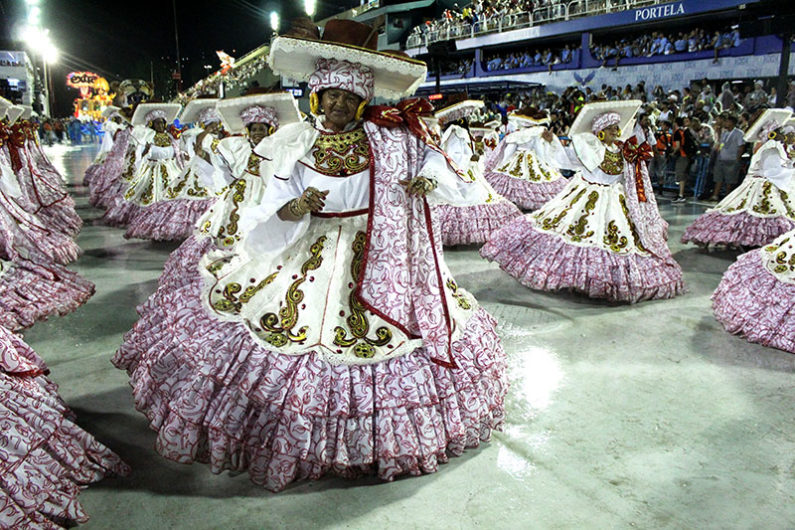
(753, 303)
(214, 395)
(523, 193)
(740, 229)
(45, 459)
(167, 220)
(468, 225)
(31, 292)
(109, 172)
(546, 262)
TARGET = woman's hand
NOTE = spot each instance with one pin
(547, 135)
(312, 200)
(418, 186)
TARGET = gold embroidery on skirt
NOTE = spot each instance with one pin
(281, 326)
(764, 207)
(577, 230)
(635, 236)
(238, 194)
(549, 224)
(357, 320)
(252, 166)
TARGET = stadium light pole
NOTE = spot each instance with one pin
(275, 21)
(309, 8)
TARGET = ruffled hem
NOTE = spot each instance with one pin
(61, 218)
(547, 262)
(120, 213)
(741, 229)
(525, 194)
(466, 225)
(47, 459)
(167, 220)
(30, 292)
(214, 395)
(751, 302)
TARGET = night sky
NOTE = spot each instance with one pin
(131, 39)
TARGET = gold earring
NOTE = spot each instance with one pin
(361, 109)
(601, 136)
(271, 130)
(314, 103)
(771, 135)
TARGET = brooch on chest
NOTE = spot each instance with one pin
(162, 140)
(341, 155)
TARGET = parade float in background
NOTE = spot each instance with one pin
(95, 94)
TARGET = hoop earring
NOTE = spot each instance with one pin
(361, 109)
(772, 135)
(601, 136)
(271, 130)
(314, 103)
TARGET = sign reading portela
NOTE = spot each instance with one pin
(651, 13)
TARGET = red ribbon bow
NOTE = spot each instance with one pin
(409, 112)
(638, 154)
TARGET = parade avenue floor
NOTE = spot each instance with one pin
(618, 416)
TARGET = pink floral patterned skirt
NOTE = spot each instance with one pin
(215, 395)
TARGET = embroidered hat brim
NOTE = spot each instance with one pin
(459, 110)
(282, 102)
(775, 118)
(195, 107)
(108, 111)
(583, 123)
(395, 77)
(170, 109)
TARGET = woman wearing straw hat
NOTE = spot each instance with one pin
(334, 339)
(234, 172)
(476, 210)
(156, 163)
(602, 235)
(185, 199)
(761, 208)
(525, 167)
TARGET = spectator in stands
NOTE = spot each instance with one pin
(661, 150)
(757, 98)
(729, 152)
(682, 150)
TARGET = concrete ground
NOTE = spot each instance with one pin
(645, 416)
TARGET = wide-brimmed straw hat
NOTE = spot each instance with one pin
(347, 48)
(457, 111)
(596, 116)
(109, 111)
(200, 110)
(766, 123)
(276, 109)
(146, 112)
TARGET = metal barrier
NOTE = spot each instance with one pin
(510, 21)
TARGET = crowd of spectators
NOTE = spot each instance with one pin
(235, 78)
(705, 116)
(529, 58)
(489, 15)
(6, 62)
(660, 43)
(484, 15)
